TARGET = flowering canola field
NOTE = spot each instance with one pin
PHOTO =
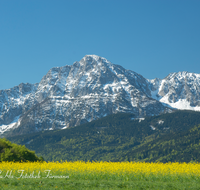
(98, 168)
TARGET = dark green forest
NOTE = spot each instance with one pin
(118, 137)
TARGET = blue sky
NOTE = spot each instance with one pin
(150, 37)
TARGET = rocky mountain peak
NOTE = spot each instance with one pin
(89, 89)
(180, 90)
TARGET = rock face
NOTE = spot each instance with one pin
(87, 90)
(179, 90)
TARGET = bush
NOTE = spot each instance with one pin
(13, 152)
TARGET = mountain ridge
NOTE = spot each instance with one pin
(89, 89)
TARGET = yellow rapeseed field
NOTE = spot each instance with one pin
(102, 167)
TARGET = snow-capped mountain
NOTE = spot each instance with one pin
(87, 90)
(179, 90)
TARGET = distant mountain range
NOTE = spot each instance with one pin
(90, 89)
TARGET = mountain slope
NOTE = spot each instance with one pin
(119, 137)
(182, 146)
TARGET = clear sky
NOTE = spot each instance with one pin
(150, 37)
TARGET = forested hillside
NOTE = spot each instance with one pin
(120, 137)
